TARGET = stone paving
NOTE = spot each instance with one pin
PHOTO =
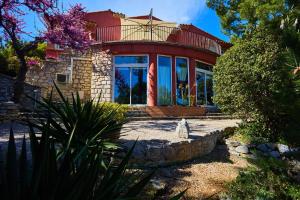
(158, 143)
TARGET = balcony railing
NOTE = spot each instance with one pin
(156, 33)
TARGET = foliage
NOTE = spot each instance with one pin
(90, 124)
(268, 180)
(66, 28)
(120, 110)
(53, 175)
(253, 83)
(71, 157)
(240, 17)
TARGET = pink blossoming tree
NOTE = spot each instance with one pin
(67, 29)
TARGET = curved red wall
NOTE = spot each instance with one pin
(155, 48)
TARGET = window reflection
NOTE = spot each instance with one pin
(204, 80)
(201, 96)
(182, 83)
(122, 85)
(138, 85)
(131, 60)
(164, 80)
(130, 79)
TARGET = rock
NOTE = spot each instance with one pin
(233, 153)
(183, 129)
(282, 148)
(157, 184)
(232, 143)
(242, 149)
(263, 147)
(271, 146)
(274, 154)
(222, 147)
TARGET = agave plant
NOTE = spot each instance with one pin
(50, 176)
(71, 149)
(89, 124)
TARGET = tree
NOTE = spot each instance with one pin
(9, 63)
(251, 81)
(241, 16)
(67, 29)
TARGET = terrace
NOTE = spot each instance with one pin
(180, 35)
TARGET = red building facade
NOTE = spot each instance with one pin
(155, 63)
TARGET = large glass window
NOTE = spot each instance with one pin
(138, 85)
(204, 80)
(119, 60)
(182, 81)
(164, 80)
(130, 85)
(122, 85)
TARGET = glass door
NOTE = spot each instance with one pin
(204, 81)
(130, 84)
(138, 85)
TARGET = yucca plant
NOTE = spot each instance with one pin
(89, 124)
(49, 175)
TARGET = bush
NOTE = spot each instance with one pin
(53, 175)
(88, 123)
(268, 180)
(120, 110)
(252, 82)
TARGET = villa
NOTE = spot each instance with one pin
(140, 61)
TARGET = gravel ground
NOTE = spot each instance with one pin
(205, 177)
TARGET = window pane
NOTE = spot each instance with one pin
(138, 85)
(200, 78)
(209, 89)
(204, 66)
(122, 85)
(131, 60)
(164, 80)
(182, 83)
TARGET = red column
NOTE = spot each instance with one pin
(192, 75)
(173, 80)
(152, 80)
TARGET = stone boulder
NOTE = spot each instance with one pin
(282, 148)
(183, 129)
(242, 149)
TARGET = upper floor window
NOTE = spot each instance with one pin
(119, 60)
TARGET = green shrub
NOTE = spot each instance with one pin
(50, 175)
(268, 180)
(252, 82)
(88, 123)
(121, 110)
(73, 157)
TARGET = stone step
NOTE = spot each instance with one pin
(176, 118)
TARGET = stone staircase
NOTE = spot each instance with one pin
(139, 113)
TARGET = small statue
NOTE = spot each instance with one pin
(183, 129)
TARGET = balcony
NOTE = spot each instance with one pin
(147, 32)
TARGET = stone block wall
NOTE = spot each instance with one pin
(81, 76)
(6, 92)
(102, 75)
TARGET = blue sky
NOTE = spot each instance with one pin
(180, 11)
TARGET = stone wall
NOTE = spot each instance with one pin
(81, 76)
(102, 75)
(6, 92)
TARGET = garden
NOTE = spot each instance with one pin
(72, 147)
